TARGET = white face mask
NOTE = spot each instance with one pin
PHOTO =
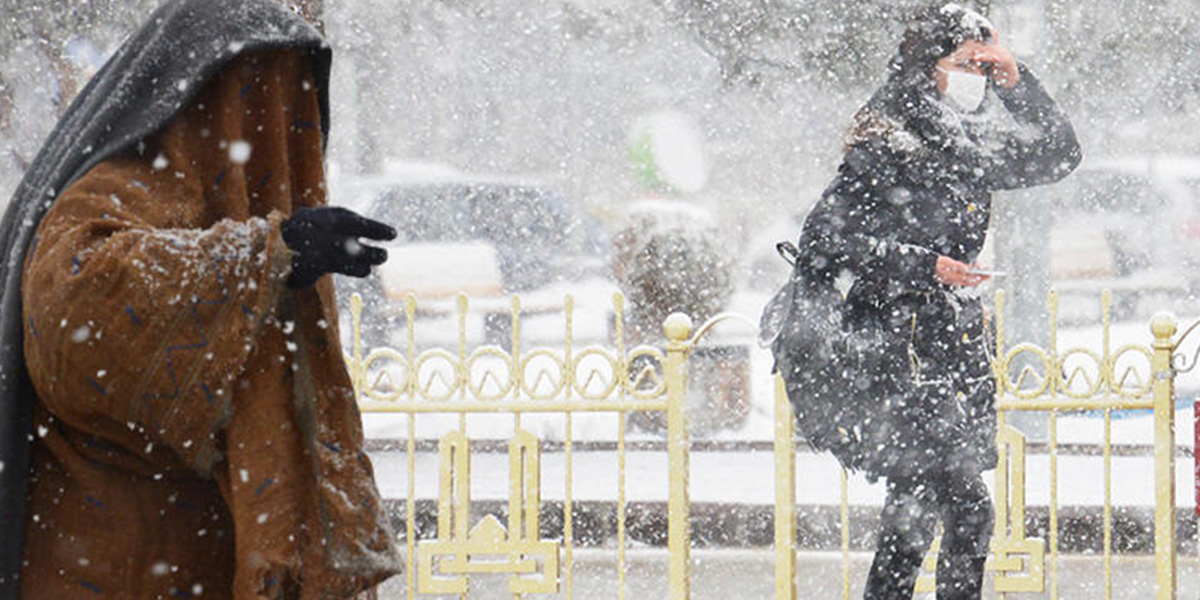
(965, 90)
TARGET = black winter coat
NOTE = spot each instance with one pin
(912, 370)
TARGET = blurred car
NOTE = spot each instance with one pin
(487, 236)
(1130, 224)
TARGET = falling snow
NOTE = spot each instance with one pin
(81, 334)
(662, 150)
(239, 152)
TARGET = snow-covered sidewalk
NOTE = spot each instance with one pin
(749, 478)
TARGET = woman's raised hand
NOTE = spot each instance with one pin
(1000, 63)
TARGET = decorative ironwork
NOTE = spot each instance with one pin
(560, 380)
(1019, 562)
(517, 550)
(1179, 362)
(386, 378)
(1057, 378)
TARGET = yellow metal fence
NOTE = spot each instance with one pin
(566, 381)
(613, 379)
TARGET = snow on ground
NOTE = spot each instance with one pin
(749, 573)
(746, 477)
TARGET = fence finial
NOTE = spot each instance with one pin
(1163, 325)
(678, 327)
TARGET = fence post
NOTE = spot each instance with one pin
(354, 366)
(1163, 326)
(678, 328)
(785, 494)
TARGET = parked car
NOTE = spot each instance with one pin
(487, 236)
(1130, 224)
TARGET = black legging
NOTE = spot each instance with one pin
(907, 526)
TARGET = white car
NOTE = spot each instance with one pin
(1129, 224)
(488, 236)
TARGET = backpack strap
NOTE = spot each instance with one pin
(788, 251)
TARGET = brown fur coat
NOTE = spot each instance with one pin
(197, 430)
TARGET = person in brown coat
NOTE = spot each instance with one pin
(195, 432)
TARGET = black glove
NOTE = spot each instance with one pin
(325, 240)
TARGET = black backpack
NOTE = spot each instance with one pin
(825, 360)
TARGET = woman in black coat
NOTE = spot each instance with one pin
(897, 233)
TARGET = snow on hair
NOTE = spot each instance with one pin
(968, 19)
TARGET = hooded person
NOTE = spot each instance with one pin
(878, 335)
(176, 414)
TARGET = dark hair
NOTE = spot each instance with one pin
(936, 32)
